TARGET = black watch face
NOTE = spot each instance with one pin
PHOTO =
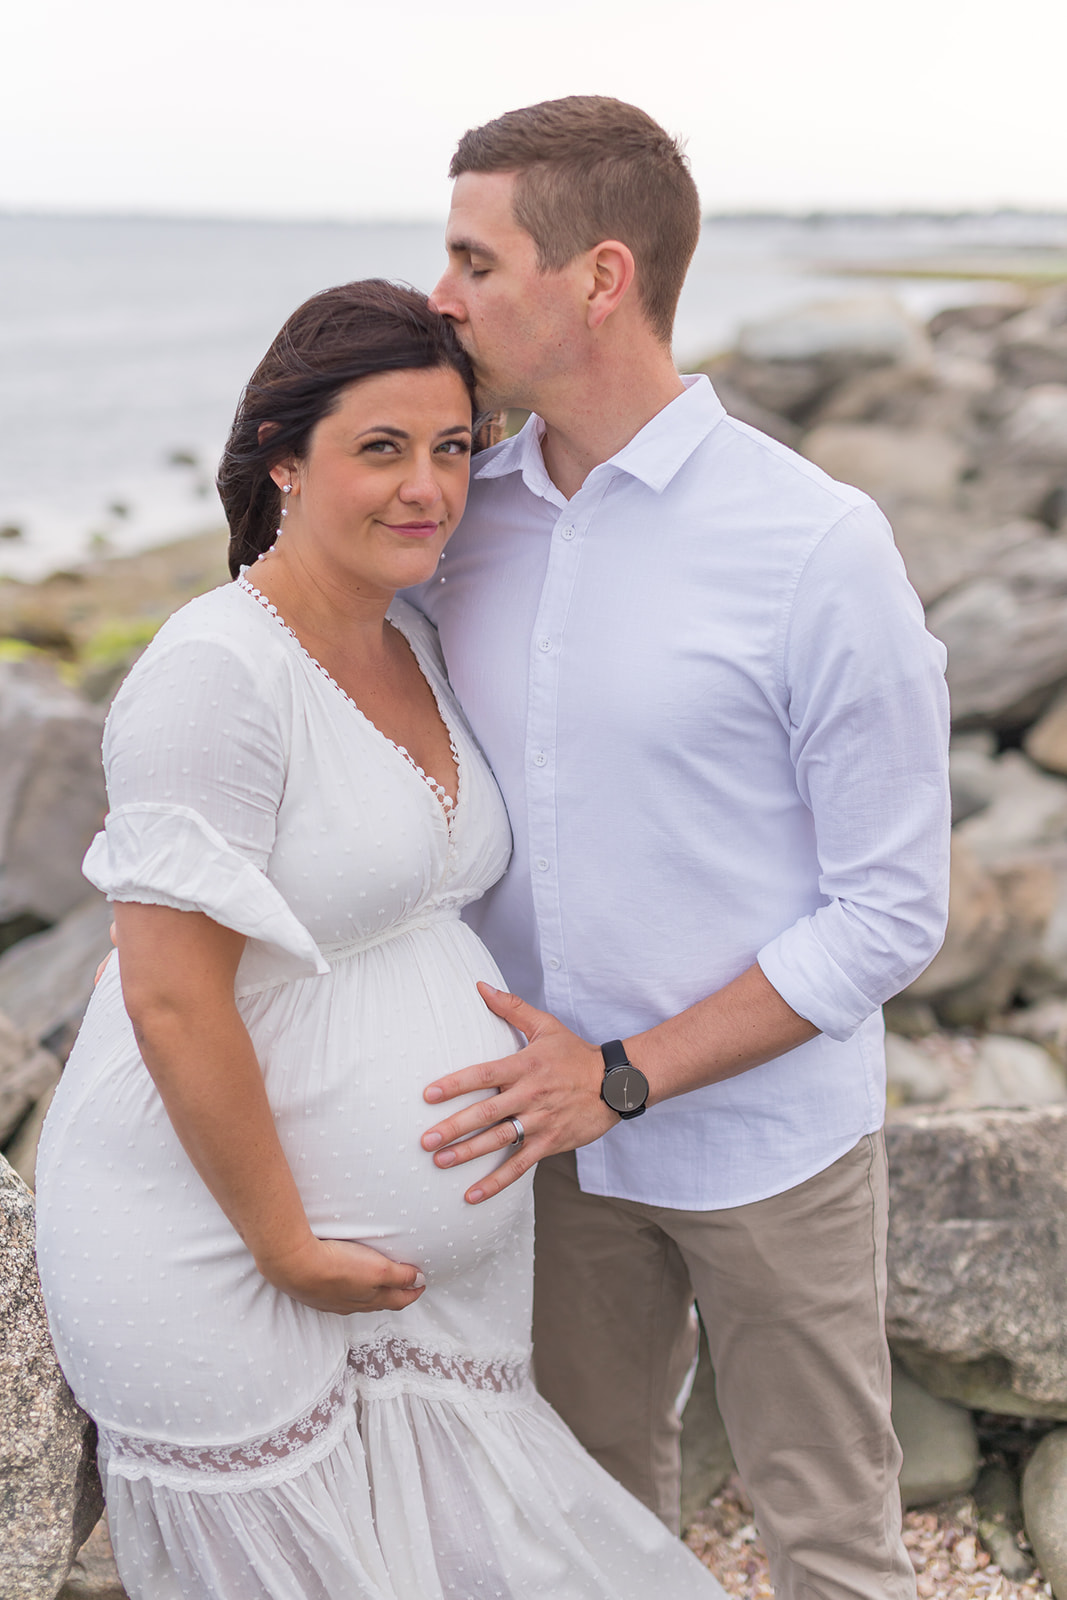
(625, 1089)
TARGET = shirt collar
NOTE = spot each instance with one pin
(653, 455)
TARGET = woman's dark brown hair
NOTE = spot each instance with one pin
(334, 339)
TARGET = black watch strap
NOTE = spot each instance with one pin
(624, 1087)
(614, 1054)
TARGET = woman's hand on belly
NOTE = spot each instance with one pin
(342, 1276)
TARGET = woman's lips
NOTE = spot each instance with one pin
(414, 530)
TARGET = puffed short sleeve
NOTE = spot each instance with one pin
(195, 758)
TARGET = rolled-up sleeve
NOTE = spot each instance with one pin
(864, 686)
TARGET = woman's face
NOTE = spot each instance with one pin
(383, 483)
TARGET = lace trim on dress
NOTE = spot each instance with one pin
(438, 790)
(382, 1370)
(413, 1367)
(254, 1464)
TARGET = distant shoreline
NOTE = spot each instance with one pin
(815, 216)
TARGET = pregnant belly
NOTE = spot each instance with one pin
(346, 1060)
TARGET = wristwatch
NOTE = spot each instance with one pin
(625, 1087)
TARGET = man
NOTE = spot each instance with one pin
(704, 685)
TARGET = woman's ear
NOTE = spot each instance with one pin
(283, 471)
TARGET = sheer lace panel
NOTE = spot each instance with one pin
(390, 1357)
(388, 1367)
(271, 1458)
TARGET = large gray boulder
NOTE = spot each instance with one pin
(789, 364)
(52, 795)
(939, 1441)
(1044, 1023)
(860, 331)
(1045, 1508)
(27, 1072)
(1046, 740)
(892, 465)
(1014, 1072)
(913, 1075)
(1036, 430)
(46, 980)
(1000, 915)
(50, 1494)
(94, 1575)
(944, 547)
(1015, 840)
(1038, 356)
(1000, 1521)
(1027, 811)
(973, 773)
(1006, 633)
(977, 1307)
(21, 1153)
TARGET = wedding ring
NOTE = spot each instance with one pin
(520, 1133)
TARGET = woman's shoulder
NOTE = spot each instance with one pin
(222, 635)
(225, 624)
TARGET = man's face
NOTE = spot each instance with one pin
(518, 324)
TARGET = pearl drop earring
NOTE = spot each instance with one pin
(287, 488)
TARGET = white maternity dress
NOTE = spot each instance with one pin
(255, 1449)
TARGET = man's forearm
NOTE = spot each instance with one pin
(740, 1026)
(553, 1086)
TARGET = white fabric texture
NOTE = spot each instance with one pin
(255, 1449)
(720, 727)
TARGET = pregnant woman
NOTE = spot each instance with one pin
(307, 1357)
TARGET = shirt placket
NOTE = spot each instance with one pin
(547, 664)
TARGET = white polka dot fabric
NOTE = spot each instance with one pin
(255, 1449)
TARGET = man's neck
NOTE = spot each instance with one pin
(599, 413)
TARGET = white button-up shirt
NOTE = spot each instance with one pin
(720, 728)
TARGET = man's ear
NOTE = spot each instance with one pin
(612, 271)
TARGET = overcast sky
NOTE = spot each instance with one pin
(347, 109)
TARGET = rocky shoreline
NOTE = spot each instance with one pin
(959, 429)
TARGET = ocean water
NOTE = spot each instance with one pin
(124, 342)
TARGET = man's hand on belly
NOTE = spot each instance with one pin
(552, 1087)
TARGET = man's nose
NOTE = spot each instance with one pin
(443, 298)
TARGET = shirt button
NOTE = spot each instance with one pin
(544, 644)
(552, 964)
(541, 864)
(540, 758)
(567, 533)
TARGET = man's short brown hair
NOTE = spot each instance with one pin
(591, 168)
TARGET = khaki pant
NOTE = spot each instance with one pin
(791, 1291)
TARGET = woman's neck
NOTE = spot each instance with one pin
(325, 607)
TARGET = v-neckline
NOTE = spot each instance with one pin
(445, 806)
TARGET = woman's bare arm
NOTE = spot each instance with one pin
(177, 970)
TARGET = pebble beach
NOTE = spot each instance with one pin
(942, 1540)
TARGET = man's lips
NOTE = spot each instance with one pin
(414, 530)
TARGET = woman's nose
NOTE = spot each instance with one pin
(420, 485)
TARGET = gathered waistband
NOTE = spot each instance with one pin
(355, 947)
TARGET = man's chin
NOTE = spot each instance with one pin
(487, 399)
(491, 397)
